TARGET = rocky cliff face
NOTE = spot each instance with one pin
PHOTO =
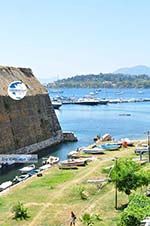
(29, 124)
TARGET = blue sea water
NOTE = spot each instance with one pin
(88, 121)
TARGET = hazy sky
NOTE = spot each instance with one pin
(60, 38)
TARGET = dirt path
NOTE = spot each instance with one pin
(81, 176)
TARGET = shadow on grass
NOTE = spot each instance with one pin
(122, 207)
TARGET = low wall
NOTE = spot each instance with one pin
(69, 137)
(41, 145)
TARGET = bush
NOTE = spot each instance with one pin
(137, 210)
(89, 219)
(20, 212)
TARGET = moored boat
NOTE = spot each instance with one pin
(27, 169)
(18, 179)
(56, 104)
(5, 185)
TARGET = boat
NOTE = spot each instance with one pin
(110, 146)
(44, 167)
(127, 141)
(93, 151)
(51, 160)
(74, 162)
(87, 101)
(27, 169)
(101, 101)
(141, 150)
(56, 104)
(18, 179)
(65, 167)
(5, 185)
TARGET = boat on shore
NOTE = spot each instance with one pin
(5, 185)
(93, 151)
(110, 146)
(65, 167)
(50, 160)
(74, 162)
(27, 169)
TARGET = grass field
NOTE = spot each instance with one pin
(51, 198)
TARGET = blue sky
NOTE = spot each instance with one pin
(61, 38)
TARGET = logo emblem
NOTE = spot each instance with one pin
(17, 90)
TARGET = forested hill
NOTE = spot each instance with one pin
(103, 81)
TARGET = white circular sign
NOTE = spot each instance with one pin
(17, 90)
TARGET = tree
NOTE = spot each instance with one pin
(137, 210)
(127, 176)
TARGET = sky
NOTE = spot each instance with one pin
(63, 38)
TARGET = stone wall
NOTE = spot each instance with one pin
(29, 124)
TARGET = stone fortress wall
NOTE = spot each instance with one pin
(30, 124)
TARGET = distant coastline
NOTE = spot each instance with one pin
(101, 80)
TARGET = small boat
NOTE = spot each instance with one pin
(5, 185)
(65, 167)
(44, 167)
(74, 162)
(110, 146)
(101, 101)
(127, 141)
(51, 160)
(56, 104)
(93, 151)
(141, 150)
(27, 169)
(125, 114)
(18, 179)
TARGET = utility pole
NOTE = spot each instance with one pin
(116, 195)
(148, 141)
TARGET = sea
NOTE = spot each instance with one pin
(121, 120)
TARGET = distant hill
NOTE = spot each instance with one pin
(109, 80)
(137, 70)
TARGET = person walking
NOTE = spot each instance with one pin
(73, 219)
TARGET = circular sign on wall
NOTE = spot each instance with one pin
(17, 90)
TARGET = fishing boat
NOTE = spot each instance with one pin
(74, 162)
(50, 160)
(110, 146)
(93, 151)
(5, 185)
(27, 169)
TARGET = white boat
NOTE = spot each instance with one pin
(51, 160)
(5, 185)
(87, 101)
(20, 178)
(27, 169)
(56, 104)
(93, 151)
(44, 167)
(74, 162)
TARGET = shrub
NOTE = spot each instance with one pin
(20, 212)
